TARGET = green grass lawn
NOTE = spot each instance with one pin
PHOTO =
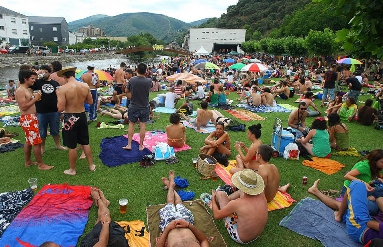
(143, 186)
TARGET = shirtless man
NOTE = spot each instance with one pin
(245, 213)
(284, 91)
(71, 98)
(255, 99)
(204, 115)
(309, 102)
(267, 97)
(56, 66)
(119, 78)
(297, 120)
(93, 82)
(28, 119)
(177, 222)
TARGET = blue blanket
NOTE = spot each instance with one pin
(263, 109)
(57, 213)
(313, 219)
(112, 154)
(11, 204)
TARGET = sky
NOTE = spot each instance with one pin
(72, 10)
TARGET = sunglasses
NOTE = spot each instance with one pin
(303, 109)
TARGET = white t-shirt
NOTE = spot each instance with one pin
(170, 97)
(200, 92)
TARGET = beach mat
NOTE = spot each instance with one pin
(264, 109)
(153, 137)
(11, 204)
(162, 109)
(324, 165)
(245, 115)
(112, 154)
(204, 129)
(202, 220)
(281, 200)
(56, 213)
(313, 219)
(135, 233)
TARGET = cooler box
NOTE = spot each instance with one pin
(285, 139)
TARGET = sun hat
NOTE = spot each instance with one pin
(66, 69)
(248, 181)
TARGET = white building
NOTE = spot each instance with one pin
(14, 28)
(76, 37)
(216, 39)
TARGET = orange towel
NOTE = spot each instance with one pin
(281, 200)
(135, 233)
(324, 165)
(239, 115)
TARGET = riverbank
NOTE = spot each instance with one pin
(15, 60)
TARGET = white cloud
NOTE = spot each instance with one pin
(72, 10)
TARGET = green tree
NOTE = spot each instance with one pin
(50, 44)
(276, 46)
(321, 43)
(365, 32)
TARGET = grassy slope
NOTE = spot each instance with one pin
(143, 186)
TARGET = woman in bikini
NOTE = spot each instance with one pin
(249, 159)
(217, 142)
(176, 131)
(119, 112)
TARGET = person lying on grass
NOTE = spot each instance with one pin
(177, 222)
(118, 112)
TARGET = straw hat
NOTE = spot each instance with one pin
(248, 181)
(66, 69)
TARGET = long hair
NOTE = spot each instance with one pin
(256, 130)
(373, 157)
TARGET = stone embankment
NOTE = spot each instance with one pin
(15, 60)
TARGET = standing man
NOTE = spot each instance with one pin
(46, 108)
(119, 78)
(71, 98)
(93, 82)
(330, 79)
(128, 75)
(355, 87)
(139, 108)
(28, 119)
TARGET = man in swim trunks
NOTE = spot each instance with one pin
(28, 119)
(119, 78)
(177, 222)
(71, 98)
(297, 120)
(245, 214)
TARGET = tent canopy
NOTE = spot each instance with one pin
(201, 51)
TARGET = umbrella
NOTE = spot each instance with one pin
(206, 65)
(233, 53)
(237, 66)
(200, 61)
(186, 77)
(254, 67)
(102, 75)
(229, 60)
(349, 60)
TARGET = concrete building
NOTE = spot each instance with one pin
(44, 29)
(76, 37)
(216, 39)
(14, 29)
(91, 31)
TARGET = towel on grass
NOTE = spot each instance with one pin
(108, 126)
(288, 106)
(264, 109)
(281, 200)
(350, 152)
(112, 154)
(9, 110)
(135, 233)
(11, 204)
(202, 220)
(313, 219)
(245, 115)
(324, 165)
(56, 213)
(152, 138)
(10, 146)
(204, 129)
(11, 120)
(165, 110)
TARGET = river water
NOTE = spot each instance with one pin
(12, 73)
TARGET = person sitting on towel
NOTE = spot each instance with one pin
(245, 214)
(176, 131)
(177, 222)
(297, 120)
(217, 142)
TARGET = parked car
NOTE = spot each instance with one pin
(3, 51)
(69, 51)
(84, 51)
(41, 50)
(18, 49)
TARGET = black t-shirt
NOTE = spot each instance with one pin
(355, 84)
(48, 102)
(330, 78)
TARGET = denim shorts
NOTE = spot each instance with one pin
(135, 114)
(330, 92)
(52, 119)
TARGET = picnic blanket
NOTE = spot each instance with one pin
(57, 213)
(153, 137)
(281, 200)
(202, 220)
(204, 129)
(288, 106)
(350, 152)
(108, 126)
(9, 109)
(264, 109)
(313, 219)
(11, 204)
(11, 121)
(324, 165)
(135, 233)
(245, 115)
(112, 154)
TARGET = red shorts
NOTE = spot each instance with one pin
(30, 125)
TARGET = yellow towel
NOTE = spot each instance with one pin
(135, 233)
(324, 165)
